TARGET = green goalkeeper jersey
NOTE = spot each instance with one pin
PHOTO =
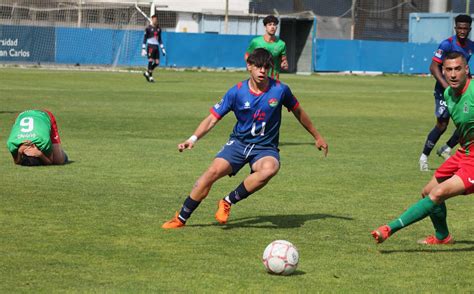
(277, 49)
(34, 126)
(461, 110)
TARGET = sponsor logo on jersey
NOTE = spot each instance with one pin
(273, 102)
(439, 53)
(26, 136)
(470, 181)
(259, 115)
(466, 108)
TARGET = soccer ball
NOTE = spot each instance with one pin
(280, 258)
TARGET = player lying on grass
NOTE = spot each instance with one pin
(34, 139)
(257, 104)
(456, 175)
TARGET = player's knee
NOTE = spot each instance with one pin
(438, 193)
(425, 192)
(269, 172)
(442, 125)
(212, 174)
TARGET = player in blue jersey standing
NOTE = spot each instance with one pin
(457, 43)
(150, 47)
(257, 104)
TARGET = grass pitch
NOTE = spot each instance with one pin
(94, 225)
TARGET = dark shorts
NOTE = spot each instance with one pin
(461, 165)
(441, 108)
(153, 52)
(238, 154)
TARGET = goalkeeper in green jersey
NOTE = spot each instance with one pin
(34, 139)
(273, 44)
(456, 175)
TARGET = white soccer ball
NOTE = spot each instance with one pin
(280, 258)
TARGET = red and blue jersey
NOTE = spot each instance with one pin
(258, 115)
(452, 44)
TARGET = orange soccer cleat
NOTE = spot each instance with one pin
(381, 234)
(223, 211)
(174, 223)
(432, 240)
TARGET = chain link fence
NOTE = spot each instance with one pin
(82, 14)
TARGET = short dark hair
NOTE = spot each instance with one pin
(454, 55)
(270, 18)
(154, 16)
(30, 160)
(260, 57)
(463, 18)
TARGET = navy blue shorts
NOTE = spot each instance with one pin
(441, 108)
(238, 154)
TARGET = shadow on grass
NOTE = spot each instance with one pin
(446, 249)
(294, 144)
(9, 111)
(296, 273)
(279, 221)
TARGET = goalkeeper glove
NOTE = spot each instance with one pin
(143, 50)
(163, 49)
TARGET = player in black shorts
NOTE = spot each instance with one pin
(150, 47)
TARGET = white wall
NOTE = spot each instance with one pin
(186, 23)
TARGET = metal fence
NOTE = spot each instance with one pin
(73, 13)
(368, 19)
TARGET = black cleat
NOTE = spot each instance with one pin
(147, 76)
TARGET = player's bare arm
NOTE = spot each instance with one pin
(58, 154)
(437, 74)
(32, 150)
(204, 127)
(305, 121)
(284, 62)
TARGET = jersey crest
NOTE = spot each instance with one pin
(273, 102)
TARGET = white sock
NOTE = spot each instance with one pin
(423, 157)
(227, 199)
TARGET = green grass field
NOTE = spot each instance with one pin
(95, 225)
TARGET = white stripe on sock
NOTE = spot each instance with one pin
(400, 220)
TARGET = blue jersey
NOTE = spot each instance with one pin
(258, 115)
(452, 44)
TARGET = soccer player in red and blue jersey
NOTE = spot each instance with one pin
(151, 42)
(257, 105)
(457, 43)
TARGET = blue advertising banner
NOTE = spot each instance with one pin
(27, 44)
